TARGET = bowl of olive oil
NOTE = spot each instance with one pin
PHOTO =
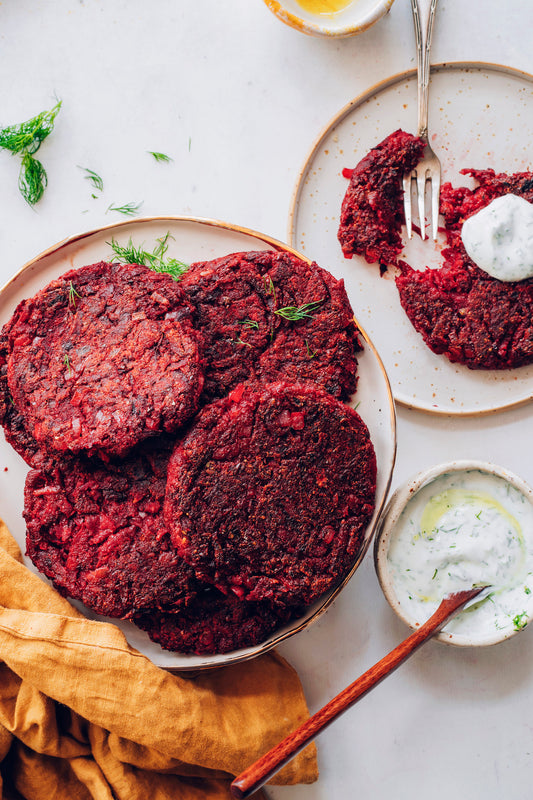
(329, 17)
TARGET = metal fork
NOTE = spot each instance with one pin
(429, 168)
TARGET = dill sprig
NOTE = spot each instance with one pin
(93, 178)
(28, 136)
(162, 157)
(310, 353)
(128, 209)
(296, 313)
(249, 323)
(129, 254)
(24, 140)
(269, 287)
(72, 295)
(156, 260)
(33, 179)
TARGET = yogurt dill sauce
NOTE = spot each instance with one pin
(463, 529)
(499, 238)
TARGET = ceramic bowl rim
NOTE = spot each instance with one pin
(327, 29)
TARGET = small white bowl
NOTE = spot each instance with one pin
(352, 18)
(406, 561)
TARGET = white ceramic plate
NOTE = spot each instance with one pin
(192, 240)
(480, 115)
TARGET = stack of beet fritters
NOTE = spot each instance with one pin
(194, 466)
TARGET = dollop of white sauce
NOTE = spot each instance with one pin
(461, 530)
(499, 238)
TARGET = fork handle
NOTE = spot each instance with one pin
(423, 16)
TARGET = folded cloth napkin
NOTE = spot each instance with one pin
(84, 715)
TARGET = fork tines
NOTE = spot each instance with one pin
(427, 171)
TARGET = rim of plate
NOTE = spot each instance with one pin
(344, 112)
(321, 605)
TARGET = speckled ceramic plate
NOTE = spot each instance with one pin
(480, 116)
(191, 240)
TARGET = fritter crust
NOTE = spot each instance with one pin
(12, 422)
(270, 492)
(372, 209)
(97, 531)
(460, 310)
(242, 304)
(103, 358)
(212, 623)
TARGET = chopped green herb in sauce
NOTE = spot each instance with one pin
(520, 621)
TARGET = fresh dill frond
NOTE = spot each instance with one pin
(93, 178)
(240, 341)
(309, 353)
(66, 362)
(128, 254)
(160, 156)
(128, 209)
(160, 263)
(269, 287)
(156, 260)
(24, 140)
(72, 295)
(249, 323)
(296, 313)
(28, 136)
(32, 179)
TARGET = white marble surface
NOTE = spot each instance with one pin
(237, 99)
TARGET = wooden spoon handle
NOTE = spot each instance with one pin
(262, 770)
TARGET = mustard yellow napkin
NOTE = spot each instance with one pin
(83, 715)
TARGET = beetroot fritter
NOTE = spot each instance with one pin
(270, 492)
(233, 315)
(212, 623)
(103, 358)
(372, 209)
(456, 204)
(269, 315)
(97, 532)
(12, 421)
(460, 310)
(321, 345)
